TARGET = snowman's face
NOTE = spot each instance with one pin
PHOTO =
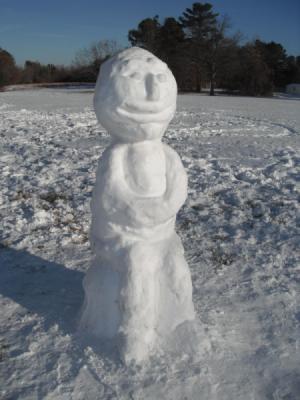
(135, 96)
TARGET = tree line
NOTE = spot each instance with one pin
(84, 68)
(201, 54)
(196, 46)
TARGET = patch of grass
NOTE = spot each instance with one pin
(3, 351)
(221, 258)
(52, 197)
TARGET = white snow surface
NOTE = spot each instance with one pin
(239, 227)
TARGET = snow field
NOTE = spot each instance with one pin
(239, 227)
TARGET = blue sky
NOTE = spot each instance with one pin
(52, 31)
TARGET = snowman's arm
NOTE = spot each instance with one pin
(128, 208)
(160, 209)
(177, 181)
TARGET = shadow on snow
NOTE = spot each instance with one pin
(46, 288)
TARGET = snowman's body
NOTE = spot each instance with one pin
(145, 168)
(138, 289)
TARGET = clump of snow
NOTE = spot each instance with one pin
(240, 231)
(139, 288)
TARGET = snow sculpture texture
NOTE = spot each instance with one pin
(138, 289)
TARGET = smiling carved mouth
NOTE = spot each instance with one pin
(146, 113)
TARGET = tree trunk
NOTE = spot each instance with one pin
(212, 81)
(198, 82)
(212, 88)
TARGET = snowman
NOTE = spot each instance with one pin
(138, 288)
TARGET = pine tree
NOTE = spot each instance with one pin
(274, 55)
(201, 27)
(8, 69)
(146, 35)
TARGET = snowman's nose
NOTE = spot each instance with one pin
(152, 87)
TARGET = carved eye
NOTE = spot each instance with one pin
(162, 77)
(136, 75)
(151, 60)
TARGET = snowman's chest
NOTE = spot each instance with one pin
(145, 169)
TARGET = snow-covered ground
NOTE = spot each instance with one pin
(240, 230)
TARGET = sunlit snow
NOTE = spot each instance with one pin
(240, 231)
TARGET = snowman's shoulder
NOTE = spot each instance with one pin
(110, 171)
(112, 156)
(176, 174)
(114, 151)
(171, 155)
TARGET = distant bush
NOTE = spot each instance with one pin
(9, 72)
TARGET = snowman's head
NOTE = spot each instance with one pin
(135, 96)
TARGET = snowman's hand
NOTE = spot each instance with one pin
(125, 207)
(151, 211)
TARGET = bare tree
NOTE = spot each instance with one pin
(87, 61)
(96, 53)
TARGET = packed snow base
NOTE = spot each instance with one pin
(239, 231)
(138, 289)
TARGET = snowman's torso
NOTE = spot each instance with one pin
(145, 168)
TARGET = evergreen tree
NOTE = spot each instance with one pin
(146, 35)
(255, 77)
(275, 57)
(292, 72)
(165, 40)
(198, 51)
(171, 49)
(202, 34)
(171, 36)
(8, 70)
(199, 22)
